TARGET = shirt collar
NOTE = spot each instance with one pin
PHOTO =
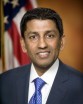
(48, 76)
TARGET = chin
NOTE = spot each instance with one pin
(44, 65)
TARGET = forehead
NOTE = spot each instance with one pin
(37, 24)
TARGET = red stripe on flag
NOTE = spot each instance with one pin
(15, 37)
(28, 5)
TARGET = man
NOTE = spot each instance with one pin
(42, 38)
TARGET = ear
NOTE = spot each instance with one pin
(62, 42)
(22, 42)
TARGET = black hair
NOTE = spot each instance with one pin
(42, 14)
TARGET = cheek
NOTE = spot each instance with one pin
(30, 48)
(55, 45)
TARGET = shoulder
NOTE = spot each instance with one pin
(72, 78)
(75, 77)
(15, 72)
(69, 69)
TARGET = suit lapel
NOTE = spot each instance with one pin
(59, 88)
(22, 86)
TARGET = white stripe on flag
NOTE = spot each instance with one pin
(18, 18)
(34, 3)
(9, 56)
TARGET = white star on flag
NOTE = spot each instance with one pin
(6, 1)
(15, 3)
(6, 19)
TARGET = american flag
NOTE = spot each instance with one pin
(13, 12)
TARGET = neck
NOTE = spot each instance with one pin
(40, 70)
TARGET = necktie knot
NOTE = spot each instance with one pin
(39, 83)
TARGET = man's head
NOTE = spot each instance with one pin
(42, 37)
(41, 14)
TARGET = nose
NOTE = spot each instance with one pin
(42, 43)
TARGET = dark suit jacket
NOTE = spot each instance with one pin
(67, 87)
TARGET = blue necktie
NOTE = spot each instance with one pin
(37, 96)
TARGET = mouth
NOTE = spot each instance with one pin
(43, 54)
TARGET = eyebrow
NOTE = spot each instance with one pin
(49, 31)
(46, 32)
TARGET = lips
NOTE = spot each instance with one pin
(43, 54)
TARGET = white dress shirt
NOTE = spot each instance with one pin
(48, 77)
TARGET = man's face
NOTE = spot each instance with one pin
(42, 42)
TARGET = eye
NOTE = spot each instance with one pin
(33, 37)
(50, 35)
